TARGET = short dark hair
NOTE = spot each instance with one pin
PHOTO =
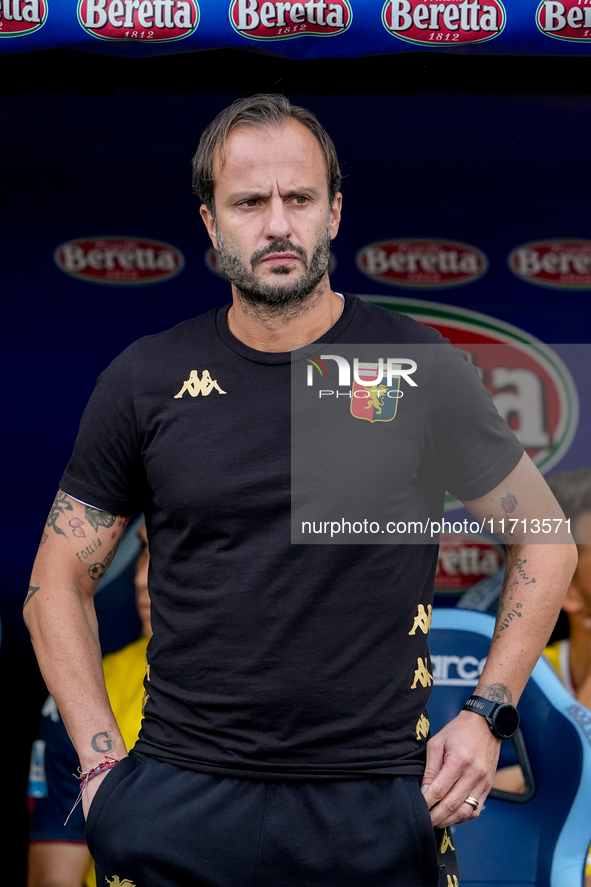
(261, 111)
(572, 490)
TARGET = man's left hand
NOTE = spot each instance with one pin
(461, 763)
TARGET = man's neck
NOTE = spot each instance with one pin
(276, 331)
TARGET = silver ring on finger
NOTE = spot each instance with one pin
(473, 803)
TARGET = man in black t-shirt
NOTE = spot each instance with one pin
(285, 724)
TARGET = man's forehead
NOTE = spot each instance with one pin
(251, 147)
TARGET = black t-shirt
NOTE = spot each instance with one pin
(270, 658)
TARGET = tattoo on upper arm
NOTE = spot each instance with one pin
(102, 742)
(496, 693)
(98, 518)
(94, 516)
(97, 570)
(61, 504)
(508, 503)
(76, 525)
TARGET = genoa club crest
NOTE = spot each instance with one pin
(371, 396)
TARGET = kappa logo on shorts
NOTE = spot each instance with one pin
(204, 385)
(446, 843)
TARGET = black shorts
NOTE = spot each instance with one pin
(153, 824)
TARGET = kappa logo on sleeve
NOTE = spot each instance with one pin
(204, 385)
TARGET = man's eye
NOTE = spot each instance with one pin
(301, 199)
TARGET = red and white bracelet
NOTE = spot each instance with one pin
(86, 775)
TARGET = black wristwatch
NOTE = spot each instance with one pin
(502, 718)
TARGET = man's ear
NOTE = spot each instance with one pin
(209, 222)
(335, 215)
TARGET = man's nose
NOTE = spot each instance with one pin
(278, 225)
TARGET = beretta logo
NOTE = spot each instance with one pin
(559, 264)
(272, 20)
(464, 560)
(431, 23)
(119, 261)
(530, 385)
(156, 21)
(21, 17)
(415, 262)
(566, 20)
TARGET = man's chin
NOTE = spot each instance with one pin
(272, 294)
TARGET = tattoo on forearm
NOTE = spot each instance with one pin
(98, 518)
(508, 611)
(496, 693)
(101, 742)
(61, 504)
(33, 589)
(97, 570)
(509, 608)
(520, 567)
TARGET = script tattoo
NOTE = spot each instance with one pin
(98, 518)
(520, 567)
(509, 608)
(61, 504)
(102, 742)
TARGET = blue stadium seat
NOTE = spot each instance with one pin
(539, 838)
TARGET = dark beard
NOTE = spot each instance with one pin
(263, 295)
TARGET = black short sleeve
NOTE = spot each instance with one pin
(105, 469)
(475, 448)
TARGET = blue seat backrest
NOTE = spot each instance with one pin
(543, 840)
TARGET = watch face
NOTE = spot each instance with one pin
(506, 720)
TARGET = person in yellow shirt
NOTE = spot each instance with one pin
(53, 860)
